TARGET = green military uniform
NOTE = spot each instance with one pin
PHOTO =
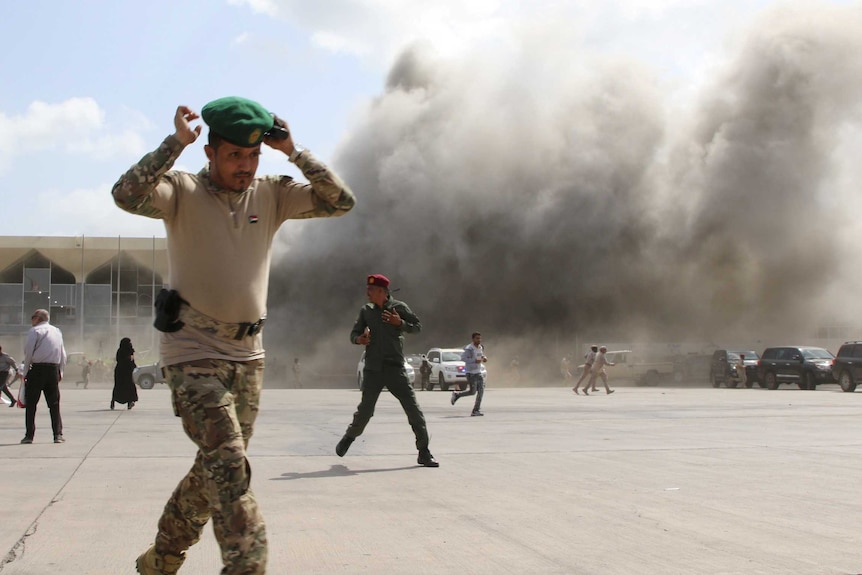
(219, 246)
(384, 367)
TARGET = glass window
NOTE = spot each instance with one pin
(62, 315)
(11, 315)
(36, 300)
(451, 356)
(97, 301)
(816, 353)
(11, 294)
(128, 305)
(64, 295)
(37, 279)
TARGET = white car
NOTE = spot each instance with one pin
(360, 367)
(447, 369)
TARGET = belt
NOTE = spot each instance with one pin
(44, 365)
(236, 331)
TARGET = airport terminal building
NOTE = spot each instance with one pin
(97, 290)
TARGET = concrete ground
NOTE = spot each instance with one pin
(644, 481)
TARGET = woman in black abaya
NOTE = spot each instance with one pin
(124, 385)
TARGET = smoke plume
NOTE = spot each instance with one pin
(539, 194)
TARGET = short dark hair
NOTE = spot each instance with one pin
(214, 140)
(475, 333)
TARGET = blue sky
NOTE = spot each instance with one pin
(88, 87)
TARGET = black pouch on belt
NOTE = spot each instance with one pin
(167, 306)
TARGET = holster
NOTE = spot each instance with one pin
(167, 306)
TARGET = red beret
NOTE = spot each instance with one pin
(379, 280)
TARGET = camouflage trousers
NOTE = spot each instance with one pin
(218, 402)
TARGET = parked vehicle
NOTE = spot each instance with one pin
(360, 368)
(692, 368)
(723, 368)
(642, 371)
(447, 369)
(414, 359)
(803, 365)
(847, 365)
(147, 376)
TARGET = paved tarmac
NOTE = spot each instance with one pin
(644, 481)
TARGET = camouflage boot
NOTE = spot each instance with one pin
(151, 563)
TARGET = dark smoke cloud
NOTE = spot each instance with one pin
(546, 193)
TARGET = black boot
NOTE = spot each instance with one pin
(343, 445)
(426, 459)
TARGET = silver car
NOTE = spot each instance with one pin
(360, 367)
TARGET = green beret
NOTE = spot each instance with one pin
(239, 121)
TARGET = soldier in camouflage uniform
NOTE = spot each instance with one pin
(220, 224)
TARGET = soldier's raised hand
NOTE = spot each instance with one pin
(391, 317)
(365, 338)
(185, 133)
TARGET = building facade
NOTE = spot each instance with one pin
(97, 290)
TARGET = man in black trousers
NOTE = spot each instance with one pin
(44, 361)
(380, 328)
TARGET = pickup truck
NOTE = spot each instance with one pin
(147, 376)
(641, 372)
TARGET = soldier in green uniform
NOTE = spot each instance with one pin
(220, 224)
(380, 327)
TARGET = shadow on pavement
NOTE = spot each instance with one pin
(336, 471)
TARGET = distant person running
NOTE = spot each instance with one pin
(599, 371)
(590, 357)
(473, 357)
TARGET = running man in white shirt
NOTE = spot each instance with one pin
(473, 357)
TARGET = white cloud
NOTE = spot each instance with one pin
(336, 43)
(674, 35)
(45, 126)
(90, 212)
(376, 30)
(260, 6)
(75, 126)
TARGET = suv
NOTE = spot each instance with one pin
(146, 376)
(360, 368)
(803, 365)
(847, 365)
(447, 369)
(722, 369)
